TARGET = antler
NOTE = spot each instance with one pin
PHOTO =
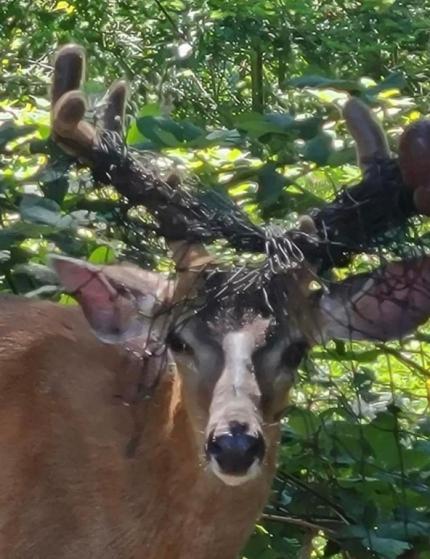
(354, 222)
(359, 217)
(82, 140)
(180, 214)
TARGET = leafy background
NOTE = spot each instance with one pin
(244, 95)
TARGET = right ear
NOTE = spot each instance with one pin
(114, 312)
(385, 304)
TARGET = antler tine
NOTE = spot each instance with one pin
(70, 131)
(191, 259)
(370, 139)
(69, 70)
(414, 161)
(116, 100)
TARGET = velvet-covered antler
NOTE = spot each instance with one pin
(353, 222)
(360, 216)
(181, 216)
(414, 158)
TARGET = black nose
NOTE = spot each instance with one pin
(236, 450)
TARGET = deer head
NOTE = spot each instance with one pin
(236, 336)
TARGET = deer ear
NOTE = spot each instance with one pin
(113, 312)
(386, 304)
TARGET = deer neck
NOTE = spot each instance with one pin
(161, 427)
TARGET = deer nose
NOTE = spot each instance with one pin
(236, 450)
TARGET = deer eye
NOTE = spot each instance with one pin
(293, 354)
(177, 344)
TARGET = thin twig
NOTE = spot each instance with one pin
(296, 522)
(405, 360)
(170, 20)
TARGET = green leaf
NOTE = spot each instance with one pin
(395, 80)
(388, 548)
(45, 211)
(300, 202)
(56, 189)
(221, 138)
(20, 231)
(270, 185)
(190, 131)
(258, 125)
(134, 136)
(342, 157)
(165, 132)
(9, 131)
(363, 378)
(303, 423)
(307, 128)
(403, 529)
(39, 272)
(367, 356)
(322, 82)
(102, 255)
(54, 179)
(39, 210)
(319, 149)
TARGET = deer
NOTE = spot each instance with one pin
(144, 422)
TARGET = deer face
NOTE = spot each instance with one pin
(236, 363)
(237, 368)
(237, 357)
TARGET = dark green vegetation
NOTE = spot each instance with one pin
(245, 96)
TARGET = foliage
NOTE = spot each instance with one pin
(245, 96)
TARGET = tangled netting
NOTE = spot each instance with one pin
(372, 214)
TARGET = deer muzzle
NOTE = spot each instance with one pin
(235, 455)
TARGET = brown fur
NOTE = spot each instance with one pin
(67, 489)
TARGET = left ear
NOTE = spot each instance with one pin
(386, 304)
(119, 302)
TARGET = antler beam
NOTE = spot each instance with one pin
(180, 214)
